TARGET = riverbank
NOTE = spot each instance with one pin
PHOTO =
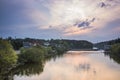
(84, 49)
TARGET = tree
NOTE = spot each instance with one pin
(32, 55)
(115, 49)
(8, 57)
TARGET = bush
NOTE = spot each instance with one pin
(31, 55)
(115, 49)
(8, 57)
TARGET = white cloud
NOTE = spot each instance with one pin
(61, 15)
(64, 12)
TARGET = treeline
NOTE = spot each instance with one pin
(69, 44)
(73, 44)
(42, 49)
(114, 48)
(17, 43)
(114, 52)
(101, 45)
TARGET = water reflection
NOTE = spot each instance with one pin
(116, 58)
(84, 67)
(74, 65)
(78, 66)
(26, 69)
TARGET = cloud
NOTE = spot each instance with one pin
(68, 18)
(102, 4)
(85, 23)
(55, 12)
(80, 10)
(72, 31)
(81, 17)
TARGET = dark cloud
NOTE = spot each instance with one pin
(102, 4)
(93, 20)
(84, 23)
(109, 3)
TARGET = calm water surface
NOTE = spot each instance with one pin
(76, 65)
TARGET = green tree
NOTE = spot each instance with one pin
(32, 55)
(115, 49)
(8, 57)
(115, 52)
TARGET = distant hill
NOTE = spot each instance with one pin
(69, 44)
(101, 45)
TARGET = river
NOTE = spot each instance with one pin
(74, 65)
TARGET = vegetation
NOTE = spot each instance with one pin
(32, 55)
(114, 52)
(16, 43)
(10, 62)
(35, 54)
(39, 54)
(8, 57)
(101, 45)
(115, 49)
(69, 44)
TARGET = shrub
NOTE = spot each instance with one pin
(31, 55)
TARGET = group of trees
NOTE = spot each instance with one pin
(8, 58)
(114, 45)
(114, 50)
(34, 54)
(11, 62)
(58, 46)
(110, 42)
(69, 44)
(72, 44)
(17, 43)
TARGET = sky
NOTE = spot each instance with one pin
(92, 20)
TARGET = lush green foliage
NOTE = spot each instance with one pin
(110, 42)
(8, 56)
(115, 49)
(32, 55)
(69, 44)
(37, 54)
(114, 52)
